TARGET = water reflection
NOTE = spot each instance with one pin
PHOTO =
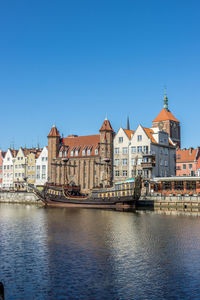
(98, 254)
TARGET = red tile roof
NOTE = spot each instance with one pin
(129, 133)
(187, 155)
(54, 132)
(149, 133)
(80, 143)
(165, 115)
(106, 126)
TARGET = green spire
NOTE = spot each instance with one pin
(165, 101)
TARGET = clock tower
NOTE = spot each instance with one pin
(167, 122)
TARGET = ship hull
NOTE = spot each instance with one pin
(124, 202)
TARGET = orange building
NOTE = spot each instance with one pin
(187, 161)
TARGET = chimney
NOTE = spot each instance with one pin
(190, 150)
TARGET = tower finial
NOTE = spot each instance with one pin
(128, 124)
(165, 100)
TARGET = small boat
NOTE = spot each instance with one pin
(122, 194)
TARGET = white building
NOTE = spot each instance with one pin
(7, 178)
(42, 167)
(147, 151)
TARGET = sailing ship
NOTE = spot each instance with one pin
(122, 194)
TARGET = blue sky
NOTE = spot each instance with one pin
(74, 62)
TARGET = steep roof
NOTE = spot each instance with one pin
(54, 132)
(106, 126)
(165, 115)
(128, 133)
(149, 133)
(187, 155)
(80, 143)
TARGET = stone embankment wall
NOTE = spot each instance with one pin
(171, 204)
(18, 197)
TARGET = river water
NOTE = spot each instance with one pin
(93, 254)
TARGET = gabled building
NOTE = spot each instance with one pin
(19, 169)
(166, 121)
(42, 167)
(2, 154)
(8, 169)
(146, 151)
(187, 162)
(83, 160)
(31, 155)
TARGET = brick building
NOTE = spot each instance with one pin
(187, 162)
(85, 160)
(167, 122)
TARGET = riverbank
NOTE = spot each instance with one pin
(170, 204)
(18, 197)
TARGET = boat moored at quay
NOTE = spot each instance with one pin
(122, 194)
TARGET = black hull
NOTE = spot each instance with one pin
(50, 200)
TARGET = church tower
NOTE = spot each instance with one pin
(167, 122)
(53, 151)
(106, 151)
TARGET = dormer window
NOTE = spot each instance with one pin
(96, 152)
(88, 152)
(83, 152)
(65, 153)
(76, 152)
(72, 153)
(60, 155)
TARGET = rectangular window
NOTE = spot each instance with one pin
(72, 153)
(117, 173)
(76, 152)
(88, 152)
(116, 162)
(139, 149)
(146, 159)
(132, 161)
(83, 152)
(166, 163)
(124, 150)
(124, 162)
(184, 166)
(133, 149)
(139, 138)
(116, 150)
(120, 139)
(190, 166)
(146, 149)
(96, 152)
(133, 173)
(124, 173)
(139, 161)
(139, 172)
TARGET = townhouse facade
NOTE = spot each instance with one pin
(148, 152)
(8, 169)
(188, 162)
(2, 154)
(42, 167)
